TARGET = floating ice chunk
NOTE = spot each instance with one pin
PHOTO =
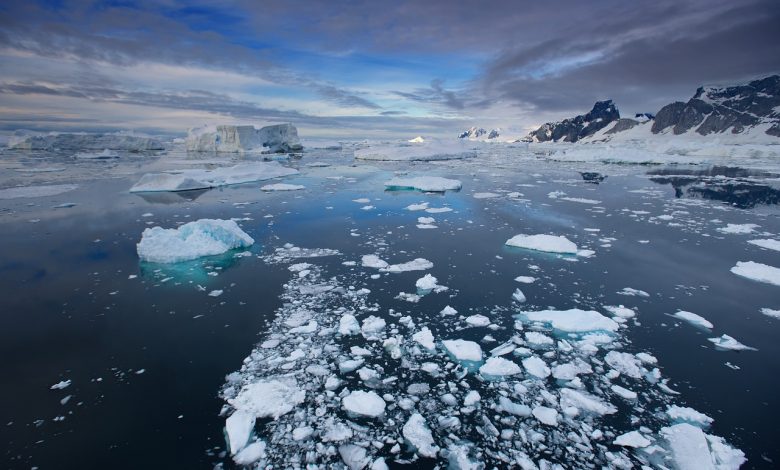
(251, 453)
(542, 242)
(215, 293)
(417, 264)
(413, 298)
(485, 195)
(570, 370)
(631, 292)
(238, 428)
(536, 367)
(624, 392)
(620, 311)
(448, 311)
(513, 408)
(61, 385)
(373, 261)
(355, 457)
(771, 312)
(585, 402)
(757, 272)
(534, 338)
(418, 435)
(36, 191)
(478, 320)
(463, 350)
(726, 342)
(429, 283)
(545, 415)
(186, 180)
(693, 319)
(525, 279)
(624, 363)
(684, 414)
(192, 240)
(282, 187)
(268, 398)
(438, 210)
(632, 439)
(519, 296)
(426, 220)
(690, 449)
(435, 184)
(472, 398)
(767, 243)
(498, 367)
(739, 229)
(363, 403)
(573, 320)
(372, 327)
(417, 207)
(424, 338)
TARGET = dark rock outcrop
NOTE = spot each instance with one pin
(622, 125)
(716, 110)
(475, 133)
(571, 130)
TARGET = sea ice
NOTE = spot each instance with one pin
(478, 320)
(268, 398)
(185, 180)
(536, 367)
(757, 272)
(727, 342)
(690, 450)
(434, 184)
(497, 367)
(418, 434)
(545, 415)
(425, 338)
(36, 191)
(418, 151)
(204, 237)
(542, 242)
(573, 320)
(684, 414)
(429, 283)
(632, 439)
(238, 428)
(767, 243)
(738, 228)
(363, 403)
(771, 312)
(282, 187)
(463, 350)
(693, 319)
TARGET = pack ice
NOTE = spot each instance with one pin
(204, 237)
(186, 180)
(278, 138)
(418, 151)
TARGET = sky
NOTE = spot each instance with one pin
(361, 69)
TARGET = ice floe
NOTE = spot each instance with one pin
(757, 272)
(542, 242)
(727, 342)
(186, 180)
(36, 191)
(693, 319)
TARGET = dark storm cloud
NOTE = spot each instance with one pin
(549, 57)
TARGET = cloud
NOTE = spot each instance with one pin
(436, 94)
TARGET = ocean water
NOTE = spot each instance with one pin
(147, 351)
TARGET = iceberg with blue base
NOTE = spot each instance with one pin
(204, 237)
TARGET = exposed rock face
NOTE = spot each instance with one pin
(279, 138)
(571, 130)
(479, 133)
(622, 125)
(716, 110)
(88, 142)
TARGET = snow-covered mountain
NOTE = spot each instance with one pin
(576, 128)
(479, 133)
(714, 110)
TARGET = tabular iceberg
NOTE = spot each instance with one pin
(90, 142)
(204, 237)
(279, 138)
(187, 180)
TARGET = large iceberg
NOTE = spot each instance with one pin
(279, 138)
(90, 142)
(186, 180)
(204, 237)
